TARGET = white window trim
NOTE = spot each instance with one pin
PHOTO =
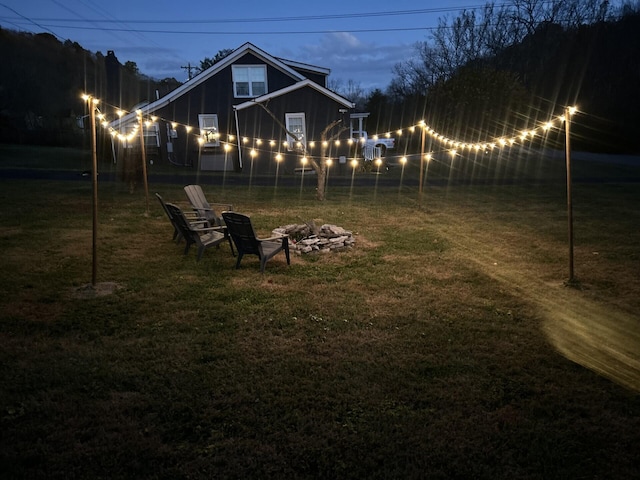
(291, 141)
(235, 68)
(213, 139)
(151, 131)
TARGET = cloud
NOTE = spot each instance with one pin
(351, 58)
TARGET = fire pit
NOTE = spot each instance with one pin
(308, 238)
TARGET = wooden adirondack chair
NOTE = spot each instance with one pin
(203, 237)
(241, 231)
(203, 208)
(193, 220)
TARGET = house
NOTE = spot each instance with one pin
(242, 113)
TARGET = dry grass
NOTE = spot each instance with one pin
(445, 345)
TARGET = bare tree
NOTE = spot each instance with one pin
(350, 90)
(481, 33)
(330, 133)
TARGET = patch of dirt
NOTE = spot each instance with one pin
(98, 290)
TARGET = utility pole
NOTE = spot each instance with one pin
(189, 68)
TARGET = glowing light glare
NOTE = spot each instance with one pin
(201, 140)
(453, 145)
(278, 158)
(378, 162)
(253, 153)
(403, 160)
(85, 97)
(329, 162)
(227, 147)
(354, 163)
(428, 157)
(453, 152)
(304, 160)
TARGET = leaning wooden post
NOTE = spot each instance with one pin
(567, 152)
(143, 154)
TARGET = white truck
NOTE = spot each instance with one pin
(375, 147)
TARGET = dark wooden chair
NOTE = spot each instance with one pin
(203, 237)
(247, 242)
(203, 208)
(193, 220)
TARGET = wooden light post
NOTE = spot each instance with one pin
(91, 103)
(568, 111)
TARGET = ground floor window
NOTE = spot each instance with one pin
(295, 123)
(209, 129)
(151, 134)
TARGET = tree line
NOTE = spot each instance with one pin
(487, 72)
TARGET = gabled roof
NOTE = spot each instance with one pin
(296, 86)
(284, 65)
(306, 66)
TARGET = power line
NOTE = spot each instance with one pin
(32, 21)
(277, 19)
(250, 32)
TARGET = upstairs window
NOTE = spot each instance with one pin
(295, 123)
(249, 80)
(209, 129)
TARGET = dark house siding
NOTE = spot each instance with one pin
(213, 93)
(215, 96)
(255, 123)
(314, 77)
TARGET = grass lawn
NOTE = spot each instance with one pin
(445, 344)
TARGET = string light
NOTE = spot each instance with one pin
(452, 145)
